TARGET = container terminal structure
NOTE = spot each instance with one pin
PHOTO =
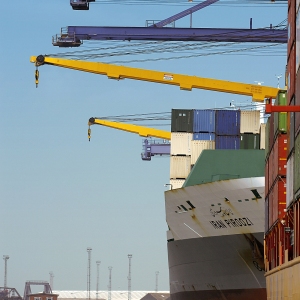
(253, 253)
(282, 169)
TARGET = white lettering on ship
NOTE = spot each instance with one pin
(228, 223)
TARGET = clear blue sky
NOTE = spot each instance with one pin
(59, 193)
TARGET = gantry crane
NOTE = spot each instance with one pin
(140, 130)
(74, 35)
(185, 82)
(150, 147)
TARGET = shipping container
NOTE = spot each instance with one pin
(176, 183)
(297, 41)
(290, 180)
(270, 212)
(266, 214)
(204, 120)
(271, 132)
(262, 136)
(270, 169)
(204, 136)
(297, 102)
(228, 142)
(249, 141)
(278, 200)
(198, 147)
(180, 167)
(291, 131)
(279, 158)
(291, 73)
(181, 143)
(228, 122)
(267, 138)
(250, 121)
(291, 24)
(297, 165)
(182, 120)
(280, 119)
(267, 186)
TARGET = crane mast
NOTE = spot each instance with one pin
(185, 82)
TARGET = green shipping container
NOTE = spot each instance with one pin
(297, 165)
(280, 119)
(182, 120)
(249, 141)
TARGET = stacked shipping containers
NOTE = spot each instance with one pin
(193, 131)
(275, 184)
(181, 139)
(282, 241)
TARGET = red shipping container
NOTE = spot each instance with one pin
(297, 102)
(280, 156)
(291, 24)
(291, 73)
(278, 200)
(270, 168)
(270, 198)
(267, 178)
(271, 132)
(266, 215)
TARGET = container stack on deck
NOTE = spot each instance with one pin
(193, 131)
(275, 186)
(282, 251)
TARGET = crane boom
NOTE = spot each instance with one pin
(140, 130)
(185, 82)
(74, 35)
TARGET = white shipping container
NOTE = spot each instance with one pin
(180, 167)
(181, 143)
(176, 183)
(290, 180)
(198, 146)
(250, 121)
(262, 136)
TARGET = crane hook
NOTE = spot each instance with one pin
(89, 134)
(36, 77)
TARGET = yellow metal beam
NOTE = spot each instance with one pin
(185, 82)
(140, 130)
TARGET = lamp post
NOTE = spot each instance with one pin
(5, 257)
(98, 262)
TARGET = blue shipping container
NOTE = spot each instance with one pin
(204, 120)
(228, 142)
(204, 136)
(228, 122)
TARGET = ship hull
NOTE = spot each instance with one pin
(219, 267)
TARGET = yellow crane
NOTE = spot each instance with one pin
(186, 82)
(140, 130)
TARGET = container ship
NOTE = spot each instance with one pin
(215, 207)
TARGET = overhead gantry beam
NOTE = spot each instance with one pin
(80, 33)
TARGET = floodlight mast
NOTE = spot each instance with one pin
(98, 262)
(89, 250)
(129, 277)
(5, 257)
